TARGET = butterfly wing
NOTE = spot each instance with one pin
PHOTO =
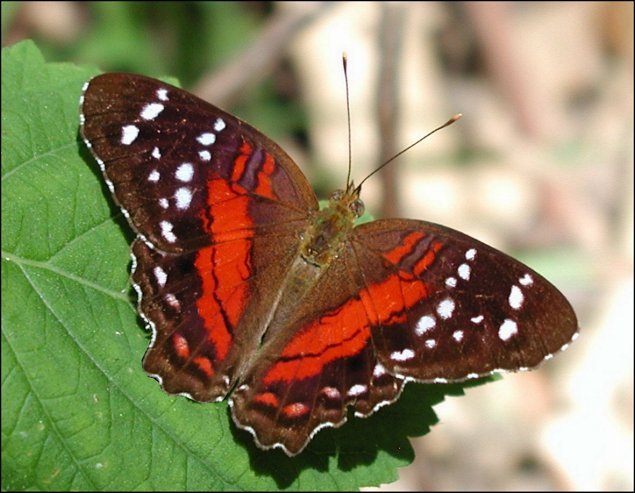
(405, 300)
(462, 308)
(316, 359)
(181, 168)
(219, 209)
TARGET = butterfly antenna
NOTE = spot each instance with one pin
(446, 124)
(348, 120)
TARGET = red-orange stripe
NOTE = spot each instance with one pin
(240, 162)
(396, 254)
(334, 336)
(428, 258)
(267, 398)
(225, 265)
(208, 307)
(343, 333)
(205, 365)
(264, 186)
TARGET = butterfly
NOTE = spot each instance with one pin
(291, 312)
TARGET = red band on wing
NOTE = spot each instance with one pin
(264, 177)
(336, 335)
(225, 265)
(395, 255)
(428, 258)
(222, 300)
(205, 365)
(410, 248)
(391, 298)
(261, 165)
(228, 207)
(240, 163)
(268, 399)
(345, 331)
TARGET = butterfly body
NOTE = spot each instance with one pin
(331, 228)
(291, 313)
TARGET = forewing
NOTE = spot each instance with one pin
(448, 307)
(219, 209)
(178, 165)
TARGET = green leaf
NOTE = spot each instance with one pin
(78, 412)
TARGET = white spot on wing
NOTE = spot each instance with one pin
(379, 370)
(184, 172)
(470, 254)
(477, 320)
(356, 390)
(163, 203)
(450, 282)
(156, 153)
(219, 124)
(166, 231)
(331, 393)
(464, 271)
(516, 298)
(151, 111)
(154, 176)
(172, 301)
(205, 155)
(424, 324)
(458, 335)
(206, 138)
(404, 355)
(526, 280)
(160, 276)
(445, 308)
(128, 134)
(162, 94)
(430, 343)
(183, 198)
(507, 329)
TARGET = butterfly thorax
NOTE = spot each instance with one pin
(331, 226)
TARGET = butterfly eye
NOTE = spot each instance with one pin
(336, 196)
(357, 207)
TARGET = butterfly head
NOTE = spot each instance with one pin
(347, 202)
(331, 226)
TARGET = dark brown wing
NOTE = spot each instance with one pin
(182, 169)
(219, 209)
(404, 300)
(461, 309)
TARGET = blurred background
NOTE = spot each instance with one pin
(540, 166)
